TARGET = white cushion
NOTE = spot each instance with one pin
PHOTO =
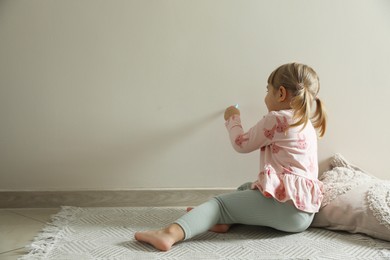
(354, 201)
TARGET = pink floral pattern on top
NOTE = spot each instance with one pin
(288, 158)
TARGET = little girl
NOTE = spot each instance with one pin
(287, 193)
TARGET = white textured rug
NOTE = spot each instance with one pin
(108, 233)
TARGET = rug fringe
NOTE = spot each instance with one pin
(46, 238)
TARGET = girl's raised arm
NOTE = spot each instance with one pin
(257, 137)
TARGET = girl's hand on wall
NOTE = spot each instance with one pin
(231, 111)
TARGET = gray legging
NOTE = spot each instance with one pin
(247, 207)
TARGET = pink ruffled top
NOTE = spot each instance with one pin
(288, 158)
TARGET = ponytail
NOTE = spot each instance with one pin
(301, 106)
(319, 118)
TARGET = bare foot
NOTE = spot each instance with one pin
(218, 228)
(162, 239)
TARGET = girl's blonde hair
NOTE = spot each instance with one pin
(303, 83)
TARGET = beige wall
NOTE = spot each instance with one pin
(130, 94)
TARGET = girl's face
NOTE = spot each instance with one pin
(271, 99)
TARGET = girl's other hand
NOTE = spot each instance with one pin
(231, 111)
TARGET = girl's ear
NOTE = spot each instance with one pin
(282, 94)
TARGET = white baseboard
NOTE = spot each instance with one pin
(108, 198)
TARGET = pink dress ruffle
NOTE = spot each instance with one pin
(306, 194)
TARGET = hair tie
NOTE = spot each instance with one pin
(300, 85)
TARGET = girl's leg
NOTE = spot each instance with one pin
(217, 228)
(248, 207)
(223, 228)
(201, 218)
(243, 207)
(204, 217)
(162, 239)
